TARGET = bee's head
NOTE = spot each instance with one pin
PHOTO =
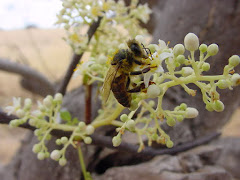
(135, 47)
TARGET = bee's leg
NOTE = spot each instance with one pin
(146, 49)
(140, 72)
(138, 62)
(128, 82)
(137, 88)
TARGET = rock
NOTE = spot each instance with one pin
(230, 155)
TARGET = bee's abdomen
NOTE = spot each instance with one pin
(120, 92)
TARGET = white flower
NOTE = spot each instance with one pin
(82, 68)
(15, 107)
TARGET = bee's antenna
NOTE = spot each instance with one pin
(146, 50)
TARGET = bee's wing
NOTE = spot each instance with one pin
(112, 71)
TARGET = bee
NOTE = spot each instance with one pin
(122, 66)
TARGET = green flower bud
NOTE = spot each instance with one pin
(203, 48)
(218, 106)
(130, 125)
(151, 103)
(183, 106)
(153, 91)
(37, 132)
(64, 140)
(169, 144)
(178, 49)
(37, 148)
(55, 155)
(90, 130)
(47, 154)
(81, 125)
(96, 67)
(20, 113)
(123, 117)
(171, 121)
(116, 140)
(212, 49)
(222, 84)
(191, 42)
(27, 103)
(191, 112)
(209, 107)
(205, 66)
(62, 162)
(32, 122)
(58, 142)
(134, 106)
(179, 118)
(14, 123)
(87, 140)
(41, 155)
(234, 60)
(154, 137)
(181, 59)
(48, 137)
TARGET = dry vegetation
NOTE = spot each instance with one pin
(47, 52)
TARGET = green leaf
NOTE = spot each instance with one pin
(65, 115)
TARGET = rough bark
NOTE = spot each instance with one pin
(214, 21)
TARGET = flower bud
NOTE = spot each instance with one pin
(183, 106)
(123, 117)
(178, 49)
(81, 125)
(153, 91)
(41, 155)
(181, 59)
(55, 155)
(20, 113)
(58, 142)
(134, 106)
(36, 148)
(90, 130)
(130, 125)
(205, 66)
(64, 140)
(169, 144)
(235, 79)
(27, 103)
(203, 48)
(87, 140)
(151, 103)
(212, 49)
(222, 84)
(191, 42)
(191, 112)
(234, 60)
(58, 97)
(62, 162)
(187, 71)
(218, 106)
(14, 123)
(116, 140)
(171, 121)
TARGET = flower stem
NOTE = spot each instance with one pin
(86, 174)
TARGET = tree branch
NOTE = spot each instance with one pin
(76, 58)
(28, 74)
(106, 141)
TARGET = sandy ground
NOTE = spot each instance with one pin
(47, 52)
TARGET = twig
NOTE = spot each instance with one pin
(27, 73)
(88, 105)
(76, 58)
(106, 141)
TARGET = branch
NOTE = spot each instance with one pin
(106, 141)
(28, 74)
(76, 58)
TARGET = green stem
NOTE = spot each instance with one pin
(84, 171)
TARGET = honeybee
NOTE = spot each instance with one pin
(122, 66)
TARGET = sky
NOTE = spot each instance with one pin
(17, 14)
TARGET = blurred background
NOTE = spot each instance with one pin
(28, 36)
